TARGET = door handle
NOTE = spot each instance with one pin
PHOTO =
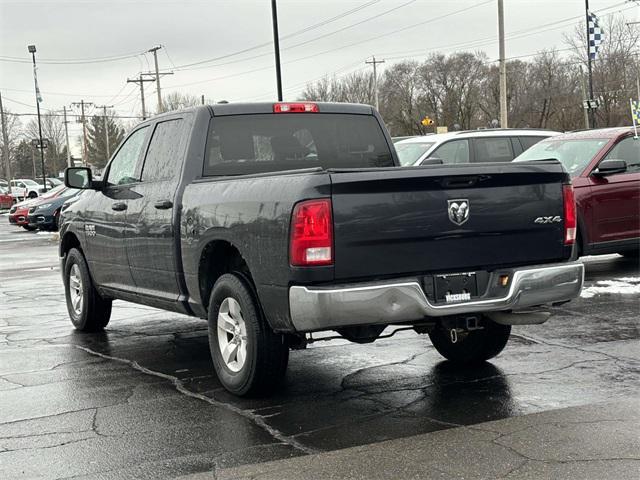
(119, 206)
(163, 204)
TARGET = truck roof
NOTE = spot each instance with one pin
(220, 109)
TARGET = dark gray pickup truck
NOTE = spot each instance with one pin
(276, 220)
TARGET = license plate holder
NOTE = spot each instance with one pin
(456, 287)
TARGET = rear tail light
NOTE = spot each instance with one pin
(304, 107)
(569, 215)
(311, 234)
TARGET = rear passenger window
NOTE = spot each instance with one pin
(247, 144)
(528, 142)
(456, 151)
(497, 149)
(164, 155)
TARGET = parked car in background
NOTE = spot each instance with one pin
(473, 146)
(399, 139)
(25, 188)
(6, 199)
(51, 183)
(45, 211)
(19, 213)
(604, 166)
(4, 183)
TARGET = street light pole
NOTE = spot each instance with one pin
(32, 51)
(276, 46)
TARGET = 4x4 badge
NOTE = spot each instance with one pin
(458, 210)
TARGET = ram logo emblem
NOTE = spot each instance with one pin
(458, 210)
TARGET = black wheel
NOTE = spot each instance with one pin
(249, 358)
(29, 228)
(474, 346)
(89, 312)
(33, 195)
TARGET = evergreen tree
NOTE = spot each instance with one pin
(97, 142)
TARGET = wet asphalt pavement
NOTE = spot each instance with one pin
(140, 400)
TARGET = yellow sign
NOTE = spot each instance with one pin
(426, 121)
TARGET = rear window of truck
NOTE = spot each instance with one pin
(247, 144)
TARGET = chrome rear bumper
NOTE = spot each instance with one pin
(326, 308)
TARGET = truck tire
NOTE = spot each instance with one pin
(475, 347)
(89, 312)
(249, 358)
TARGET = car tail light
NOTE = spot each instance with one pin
(311, 234)
(569, 215)
(295, 107)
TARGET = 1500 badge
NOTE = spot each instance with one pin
(90, 230)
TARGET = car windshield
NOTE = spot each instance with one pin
(410, 152)
(29, 182)
(575, 155)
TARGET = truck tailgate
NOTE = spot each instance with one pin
(397, 221)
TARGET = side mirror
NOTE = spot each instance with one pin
(432, 161)
(78, 177)
(609, 167)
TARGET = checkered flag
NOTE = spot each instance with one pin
(595, 35)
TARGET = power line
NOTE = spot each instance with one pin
(290, 35)
(71, 61)
(314, 55)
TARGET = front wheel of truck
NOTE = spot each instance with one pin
(472, 346)
(249, 358)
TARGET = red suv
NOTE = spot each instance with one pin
(604, 166)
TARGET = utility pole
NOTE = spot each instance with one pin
(141, 81)
(106, 126)
(584, 96)
(66, 135)
(592, 111)
(276, 47)
(154, 50)
(375, 62)
(504, 121)
(5, 145)
(83, 119)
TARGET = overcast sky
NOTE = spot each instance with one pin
(196, 31)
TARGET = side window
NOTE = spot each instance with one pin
(528, 142)
(123, 166)
(497, 149)
(628, 150)
(164, 155)
(456, 151)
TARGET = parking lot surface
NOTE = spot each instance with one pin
(141, 400)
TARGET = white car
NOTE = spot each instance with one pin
(472, 146)
(25, 188)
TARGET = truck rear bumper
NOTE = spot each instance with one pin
(397, 301)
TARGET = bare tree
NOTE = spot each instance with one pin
(52, 130)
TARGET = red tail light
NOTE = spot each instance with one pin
(295, 107)
(311, 234)
(570, 223)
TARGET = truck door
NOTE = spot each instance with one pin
(106, 216)
(151, 236)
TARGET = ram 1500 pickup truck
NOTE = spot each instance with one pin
(276, 220)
